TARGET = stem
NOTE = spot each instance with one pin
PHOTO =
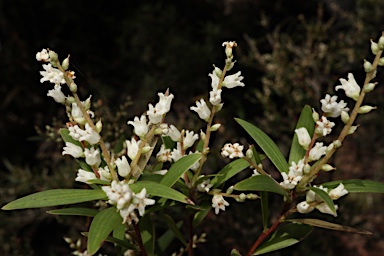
(348, 125)
(139, 240)
(190, 227)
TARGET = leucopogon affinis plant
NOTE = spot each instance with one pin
(161, 166)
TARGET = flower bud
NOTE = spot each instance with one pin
(315, 115)
(229, 190)
(65, 63)
(215, 127)
(73, 87)
(381, 43)
(330, 147)
(249, 153)
(344, 117)
(218, 71)
(374, 48)
(365, 109)
(99, 126)
(352, 129)
(307, 168)
(252, 196)
(206, 151)
(54, 58)
(336, 143)
(218, 107)
(202, 135)
(381, 61)
(369, 87)
(327, 167)
(70, 100)
(367, 66)
(146, 149)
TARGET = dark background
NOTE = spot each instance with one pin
(123, 52)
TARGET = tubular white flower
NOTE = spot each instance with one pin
(232, 150)
(51, 74)
(123, 167)
(215, 96)
(324, 208)
(351, 88)
(297, 169)
(164, 154)
(73, 150)
(92, 156)
(85, 176)
(105, 174)
(176, 152)
(204, 186)
(164, 104)
(57, 94)
(290, 180)
(304, 207)
(76, 113)
(140, 201)
(303, 137)
(202, 110)
(140, 126)
(316, 152)
(219, 203)
(132, 148)
(43, 56)
(174, 133)
(330, 106)
(215, 80)
(189, 139)
(234, 80)
(154, 114)
(324, 126)
(338, 192)
(91, 135)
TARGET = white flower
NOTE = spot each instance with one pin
(351, 88)
(303, 137)
(174, 133)
(132, 148)
(297, 169)
(57, 94)
(164, 104)
(324, 126)
(140, 126)
(154, 114)
(43, 56)
(73, 150)
(85, 176)
(338, 192)
(140, 201)
(331, 107)
(233, 80)
(84, 135)
(123, 166)
(92, 156)
(312, 197)
(290, 180)
(104, 173)
(51, 74)
(215, 96)
(202, 110)
(304, 207)
(316, 152)
(177, 152)
(76, 113)
(196, 164)
(324, 208)
(205, 186)
(232, 150)
(164, 154)
(189, 139)
(215, 80)
(219, 203)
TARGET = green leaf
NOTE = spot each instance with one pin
(325, 197)
(55, 197)
(178, 168)
(120, 242)
(260, 183)
(165, 240)
(358, 186)
(67, 138)
(283, 237)
(229, 171)
(264, 208)
(147, 231)
(101, 226)
(156, 189)
(200, 215)
(119, 233)
(75, 211)
(329, 225)
(297, 152)
(173, 227)
(168, 142)
(266, 144)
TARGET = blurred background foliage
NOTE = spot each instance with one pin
(123, 52)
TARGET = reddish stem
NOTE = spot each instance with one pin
(139, 240)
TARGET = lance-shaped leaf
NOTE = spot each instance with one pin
(156, 189)
(283, 237)
(297, 152)
(115, 240)
(165, 240)
(358, 186)
(266, 144)
(75, 211)
(260, 183)
(329, 225)
(55, 197)
(229, 171)
(325, 197)
(147, 231)
(178, 168)
(101, 226)
(200, 215)
(174, 228)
